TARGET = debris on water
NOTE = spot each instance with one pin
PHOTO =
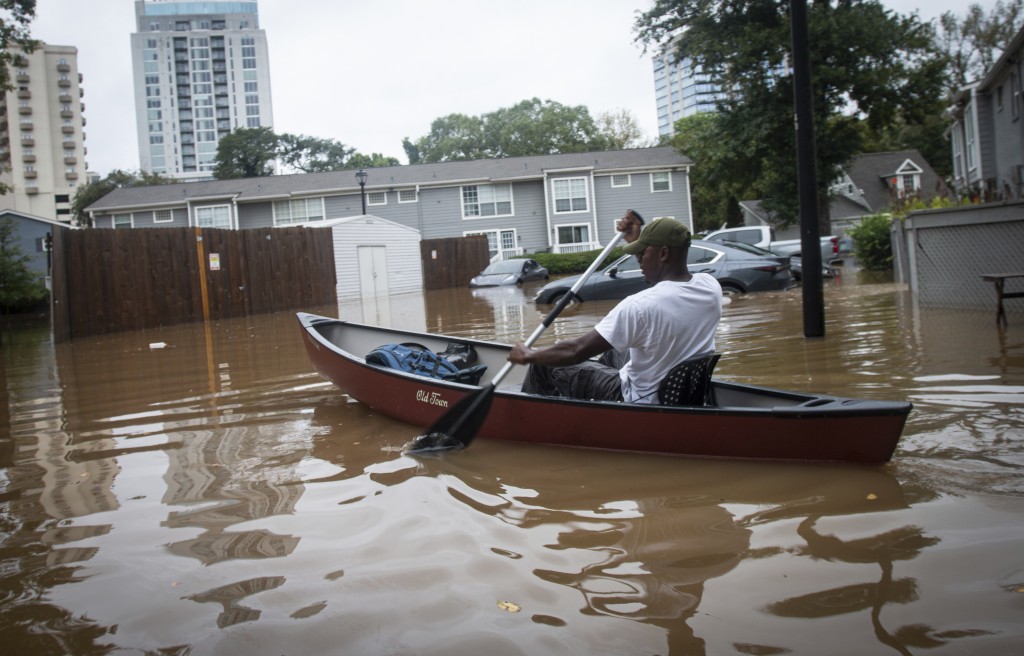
(509, 606)
(157, 345)
(872, 496)
(432, 442)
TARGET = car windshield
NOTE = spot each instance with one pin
(503, 266)
(625, 263)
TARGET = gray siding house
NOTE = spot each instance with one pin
(869, 185)
(559, 203)
(987, 134)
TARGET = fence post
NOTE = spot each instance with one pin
(202, 274)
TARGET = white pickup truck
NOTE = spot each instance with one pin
(764, 236)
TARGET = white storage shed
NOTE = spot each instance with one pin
(374, 257)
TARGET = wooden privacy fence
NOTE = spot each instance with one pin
(111, 280)
(452, 262)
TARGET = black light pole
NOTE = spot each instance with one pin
(361, 176)
(807, 180)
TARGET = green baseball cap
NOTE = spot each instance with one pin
(664, 231)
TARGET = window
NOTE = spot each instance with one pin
(377, 198)
(969, 139)
(163, 216)
(573, 234)
(216, 216)
(621, 180)
(908, 184)
(487, 200)
(121, 221)
(407, 196)
(570, 195)
(661, 181)
(298, 210)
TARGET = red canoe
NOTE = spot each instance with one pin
(746, 421)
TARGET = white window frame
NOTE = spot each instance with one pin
(376, 198)
(296, 211)
(402, 196)
(561, 246)
(157, 214)
(627, 176)
(970, 138)
(656, 179)
(213, 221)
(490, 196)
(569, 189)
(114, 221)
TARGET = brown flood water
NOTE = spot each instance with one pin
(215, 496)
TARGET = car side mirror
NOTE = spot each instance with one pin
(613, 272)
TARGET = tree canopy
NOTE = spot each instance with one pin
(974, 42)
(254, 152)
(246, 153)
(868, 64)
(530, 127)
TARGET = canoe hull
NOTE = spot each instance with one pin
(749, 422)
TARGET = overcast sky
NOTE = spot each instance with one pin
(368, 73)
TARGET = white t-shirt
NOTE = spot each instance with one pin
(662, 326)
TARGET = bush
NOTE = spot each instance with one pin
(565, 263)
(872, 243)
(20, 288)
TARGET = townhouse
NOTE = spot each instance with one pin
(558, 203)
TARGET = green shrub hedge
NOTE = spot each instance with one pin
(566, 263)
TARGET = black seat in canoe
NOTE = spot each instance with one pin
(689, 382)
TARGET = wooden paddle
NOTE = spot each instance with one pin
(456, 428)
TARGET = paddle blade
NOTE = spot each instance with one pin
(456, 428)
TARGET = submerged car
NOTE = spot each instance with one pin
(509, 272)
(738, 271)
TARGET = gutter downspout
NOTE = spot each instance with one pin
(547, 211)
(593, 200)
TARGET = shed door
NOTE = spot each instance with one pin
(373, 271)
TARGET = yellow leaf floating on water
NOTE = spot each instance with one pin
(508, 606)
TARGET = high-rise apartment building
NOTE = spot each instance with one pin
(42, 140)
(201, 71)
(681, 89)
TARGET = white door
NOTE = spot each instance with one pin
(373, 271)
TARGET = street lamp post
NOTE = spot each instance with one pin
(361, 176)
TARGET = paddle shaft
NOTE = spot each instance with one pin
(560, 305)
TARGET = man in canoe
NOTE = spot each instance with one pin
(671, 321)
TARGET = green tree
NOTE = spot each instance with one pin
(373, 160)
(714, 188)
(312, 154)
(866, 62)
(453, 138)
(19, 287)
(246, 153)
(530, 127)
(974, 42)
(622, 130)
(88, 194)
(14, 35)
(412, 152)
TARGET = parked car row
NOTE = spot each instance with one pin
(738, 268)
